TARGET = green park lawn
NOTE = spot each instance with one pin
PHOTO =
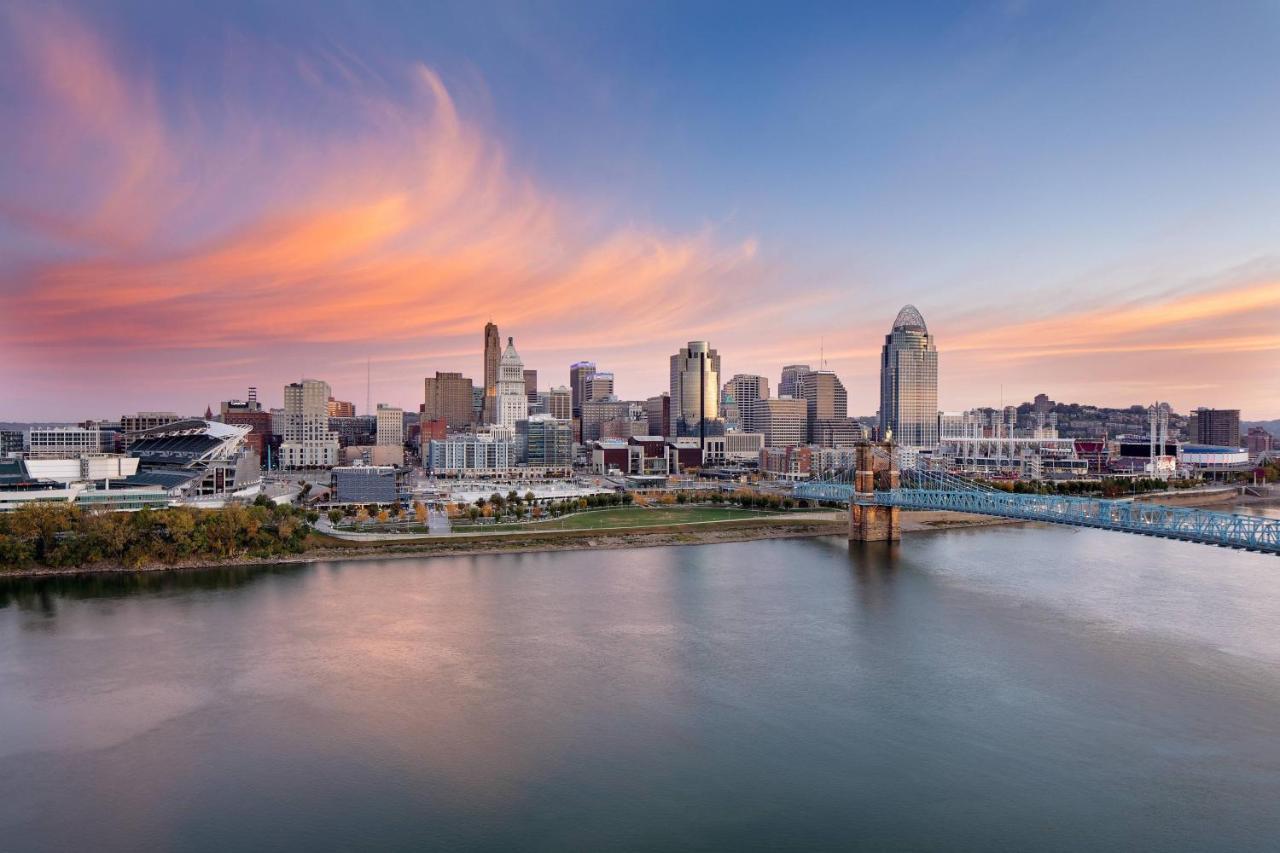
(629, 516)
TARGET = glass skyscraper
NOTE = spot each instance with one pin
(909, 382)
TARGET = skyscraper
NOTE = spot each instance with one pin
(827, 407)
(492, 356)
(579, 373)
(560, 403)
(909, 382)
(748, 390)
(448, 397)
(695, 390)
(598, 387)
(390, 428)
(789, 386)
(531, 385)
(308, 442)
(511, 402)
(1217, 427)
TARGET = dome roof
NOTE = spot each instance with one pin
(909, 318)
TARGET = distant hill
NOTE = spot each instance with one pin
(1272, 427)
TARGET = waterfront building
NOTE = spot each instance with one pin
(199, 460)
(364, 484)
(1216, 427)
(448, 397)
(477, 454)
(909, 382)
(308, 441)
(783, 421)
(546, 442)
(747, 391)
(341, 408)
(512, 403)
(62, 442)
(695, 390)
(734, 448)
(492, 359)
(789, 385)
(787, 463)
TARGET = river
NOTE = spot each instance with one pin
(1009, 688)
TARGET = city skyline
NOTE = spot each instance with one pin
(199, 201)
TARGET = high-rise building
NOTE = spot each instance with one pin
(133, 425)
(560, 403)
(341, 408)
(695, 389)
(909, 382)
(308, 441)
(390, 426)
(579, 373)
(789, 385)
(827, 406)
(512, 403)
(1217, 427)
(448, 397)
(657, 411)
(531, 385)
(599, 386)
(492, 357)
(747, 390)
(783, 421)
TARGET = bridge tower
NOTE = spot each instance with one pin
(877, 468)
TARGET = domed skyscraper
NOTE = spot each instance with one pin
(909, 382)
(512, 401)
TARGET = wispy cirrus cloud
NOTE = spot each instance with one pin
(387, 221)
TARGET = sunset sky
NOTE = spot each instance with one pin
(1082, 199)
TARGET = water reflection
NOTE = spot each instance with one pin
(42, 594)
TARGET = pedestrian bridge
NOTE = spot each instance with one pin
(877, 492)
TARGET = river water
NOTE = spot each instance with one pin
(1010, 688)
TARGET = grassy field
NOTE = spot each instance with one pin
(629, 516)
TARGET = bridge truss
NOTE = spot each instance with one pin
(924, 489)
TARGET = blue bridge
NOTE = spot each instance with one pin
(877, 489)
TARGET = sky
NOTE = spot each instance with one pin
(1082, 199)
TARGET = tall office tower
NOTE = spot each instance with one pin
(1218, 427)
(909, 382)
(449, 398)
(492, 357)
(695, 390)
(308, 442)
(531, 386)
(826, 402)
(512, 402)
(390, 426)
(560, 403)
(748, 390)
(598, 387)
(341, 408)
(789, 386)
(783, 421)
(579, 373)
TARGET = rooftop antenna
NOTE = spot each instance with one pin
(368, 385)
(822, 353)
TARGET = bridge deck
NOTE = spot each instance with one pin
(1252, 533)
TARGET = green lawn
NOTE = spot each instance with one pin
(629, 516)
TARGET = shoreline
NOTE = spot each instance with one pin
(692, 533)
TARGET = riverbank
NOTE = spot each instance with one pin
(322, 548)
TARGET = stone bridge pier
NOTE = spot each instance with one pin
(877, 469)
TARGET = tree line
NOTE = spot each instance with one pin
(61, 535)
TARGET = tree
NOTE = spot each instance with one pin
(530, 497)
(473, 512)
(335, 515)
(383, 516)
(420, 512)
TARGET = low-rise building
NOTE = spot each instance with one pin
(362, 484)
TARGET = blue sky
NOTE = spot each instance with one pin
(1015, 169)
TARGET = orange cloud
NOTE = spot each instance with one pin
(404, 222)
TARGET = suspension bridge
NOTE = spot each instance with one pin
(876, 488)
